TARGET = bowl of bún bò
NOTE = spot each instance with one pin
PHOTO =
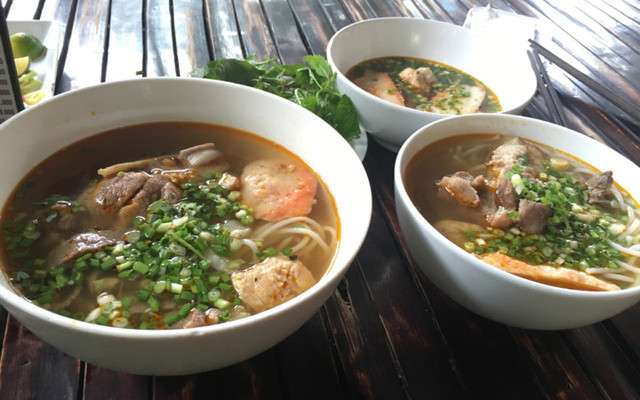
(403, 73)
(179, 266)
(521, 221)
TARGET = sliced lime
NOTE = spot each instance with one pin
(22, 64)
(24, 44)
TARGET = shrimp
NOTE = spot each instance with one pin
(278, 189)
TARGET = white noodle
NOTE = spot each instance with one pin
(307, 232)
(618, 277)
(250, 244)
(625, 250)
(631, 228)
(628, 266)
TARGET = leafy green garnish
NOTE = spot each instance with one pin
(312, 86)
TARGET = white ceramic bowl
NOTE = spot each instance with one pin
(487, 290)
(31, 136)
(505, 71)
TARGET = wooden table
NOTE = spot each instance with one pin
(387, 332)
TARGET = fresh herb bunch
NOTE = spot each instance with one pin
(312, 86)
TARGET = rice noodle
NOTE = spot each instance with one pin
(618, 277)
(625, 250)
(628, 266)
(310, 236)
(631, 228)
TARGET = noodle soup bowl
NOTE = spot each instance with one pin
(483, 288)
(33, 135)
(504, 70)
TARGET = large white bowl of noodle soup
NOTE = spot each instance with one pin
(31, 136)
(503, 69)
(485, 289)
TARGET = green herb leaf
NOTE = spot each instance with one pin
(312, 86)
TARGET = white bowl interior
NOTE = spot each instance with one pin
(38, 132)
(492, 292)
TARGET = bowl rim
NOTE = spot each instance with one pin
(406, 153)
(15, 300)
(396, 107)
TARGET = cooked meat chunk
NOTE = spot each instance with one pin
(462, 99)
(129, 194)
(278, 189)
(555, 276)
(82, 244)
(156, 187)
(197, 318)
(459, 186)
(114, 192)
(599, 187)
(506, 195)
(479, 182)
(500, 219)
(456, 231)
(272, 282)
(532, 216)
(380, 85)
(420, 79)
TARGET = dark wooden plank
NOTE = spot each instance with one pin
(335, 14)
(254, 32)
(606, 361)
(453, 11)
(101, 383)
(396, 8)
(358, 10)
(369, 368)
(387, 341)
(124, 49)
(306, 367)
(159, 46)
(577, 45)
(289, 44)
(190, 36)
(82, 55)
(314, 25)
(31, 369)
(256, 378)
(223, 31)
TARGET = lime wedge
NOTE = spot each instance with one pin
(24, 44)
(22, 64)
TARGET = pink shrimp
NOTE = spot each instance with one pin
(278, 189)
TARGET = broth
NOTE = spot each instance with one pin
(424, 85)
(161, 269)
(521, 206)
